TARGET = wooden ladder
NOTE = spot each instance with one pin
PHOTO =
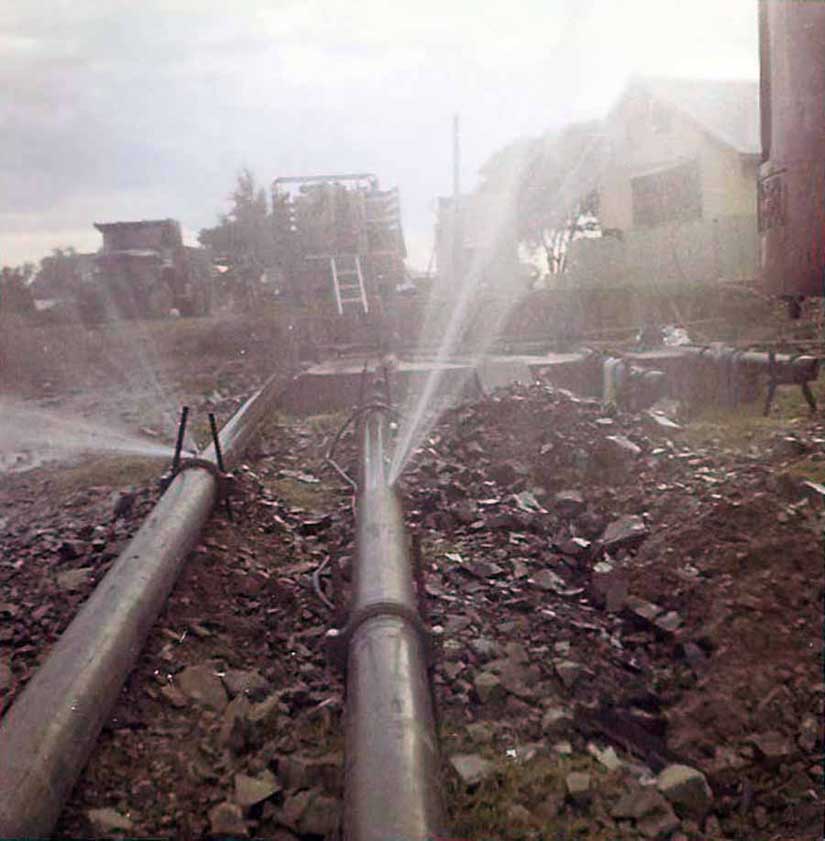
(348, 291)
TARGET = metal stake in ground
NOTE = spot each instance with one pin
(213, 426)
(184, 415)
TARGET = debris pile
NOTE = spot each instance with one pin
(628, 634)
(600, 585)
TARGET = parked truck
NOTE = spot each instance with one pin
(143, 270)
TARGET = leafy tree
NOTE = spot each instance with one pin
(15, 294)
(245, 239)
(553, 178)
(59, 273)
(244, 235)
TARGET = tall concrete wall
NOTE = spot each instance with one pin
(688, 253)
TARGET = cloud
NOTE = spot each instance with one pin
(118, 109)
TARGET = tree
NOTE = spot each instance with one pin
(58, 275)
(15, 294)
(244, 239)
(553, 177)
(244, 235)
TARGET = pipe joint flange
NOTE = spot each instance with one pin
(337, 640)
(226, 481)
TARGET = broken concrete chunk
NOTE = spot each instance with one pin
(518, 814)
(484, 648)
(687, 789)
(575, 547)
(235, 728)
(607, 757)
(488, 687)
(516, 653)
(481, 732)
(252, 790)
(617, 454)
(653, 814)
(609, 586)
(668, 622)
(73, 579)
(569, 504)
(789, 447)
(568, 672)
(106, 821)
(578, 786)
(625, 533)
(662, 421)
(556, 721)
(814, 491)
(321, 817)
(697, 659)
(483, 569)
(773, 747)
(294, 807)
(641, 610)
(174, 696)
(226, 819)
(202, 685)
(658, 825)
(528, 503)
(639, 802)
(547, 580)
(323, 773)
(252, 684)
(471, 767)
(808, 734)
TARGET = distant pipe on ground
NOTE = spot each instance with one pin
(391, 787)
(51, 729)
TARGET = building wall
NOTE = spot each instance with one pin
(728, 182)
(723, 243)
(699, 251)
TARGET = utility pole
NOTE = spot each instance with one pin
(457, 238)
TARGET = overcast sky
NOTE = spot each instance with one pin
(130, 109)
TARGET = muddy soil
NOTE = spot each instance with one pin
(613, 598)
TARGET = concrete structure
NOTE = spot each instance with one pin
(678, 184)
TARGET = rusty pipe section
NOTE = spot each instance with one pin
(790, 368)
(391, 778)
(50, 731)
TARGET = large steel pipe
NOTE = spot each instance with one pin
(48, 734)
(391, 778)
(796, 369)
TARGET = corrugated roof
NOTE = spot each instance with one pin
(726, 109)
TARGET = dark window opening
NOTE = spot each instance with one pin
(674, 195)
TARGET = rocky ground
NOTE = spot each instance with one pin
(630, 618)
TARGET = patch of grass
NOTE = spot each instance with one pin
(483, 813)
(734, 429)
(809, 469)
(738, 428)
(327, 424)
(301, 494)
(116, 471)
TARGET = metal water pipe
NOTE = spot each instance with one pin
(391, 787)
(47, 735)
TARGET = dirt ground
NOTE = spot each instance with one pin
(613, 598)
